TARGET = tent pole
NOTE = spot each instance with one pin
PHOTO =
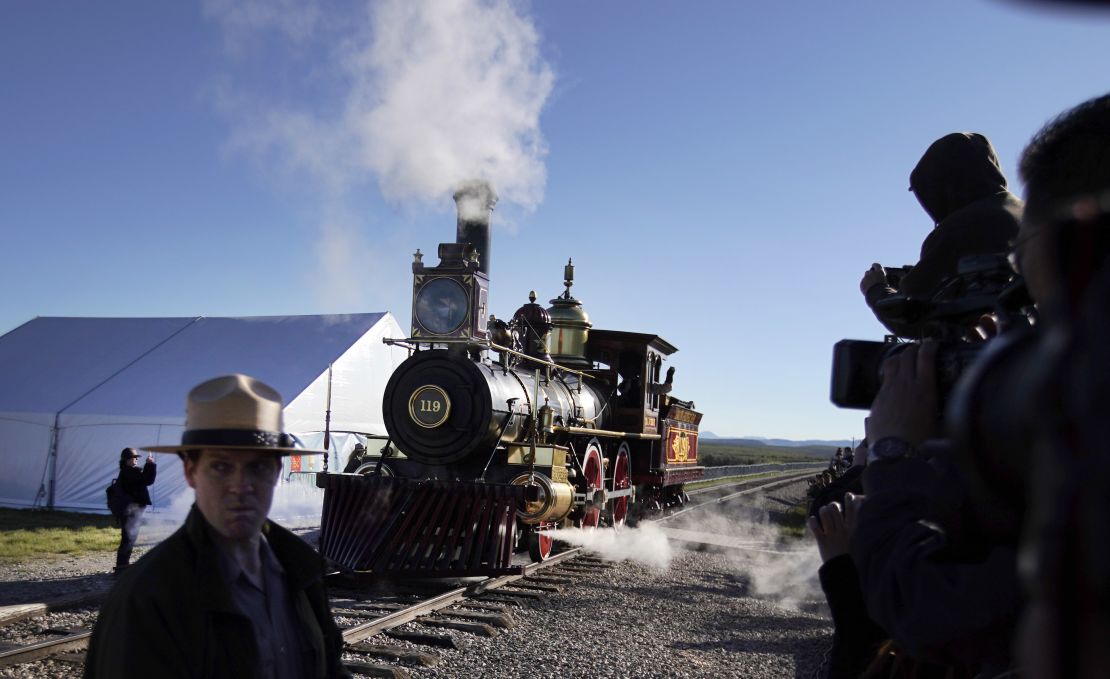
(52, 462)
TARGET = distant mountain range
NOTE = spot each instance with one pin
(764, 441)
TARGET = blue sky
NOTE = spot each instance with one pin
(722, 173)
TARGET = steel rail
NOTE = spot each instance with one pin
(730, 481)
(377, 625)
(44, 649)
(80, 641)
(770, 485)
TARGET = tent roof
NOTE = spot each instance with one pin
(145, 366)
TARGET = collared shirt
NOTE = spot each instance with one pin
(268, 603)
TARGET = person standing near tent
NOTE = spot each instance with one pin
(133, 484)
(230, 594)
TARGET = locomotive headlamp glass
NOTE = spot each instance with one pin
(441, 306)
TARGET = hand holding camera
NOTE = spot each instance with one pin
(876, 275)
(906, 404)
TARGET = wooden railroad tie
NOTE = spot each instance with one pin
(528, 594)
(375, 670)
(401, 655)
(501, 620)
(550, 580)
(578, 565)
(540, 587)
(437, 640)
(478, 628)
(489, 606)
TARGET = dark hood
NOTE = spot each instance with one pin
(956, 170)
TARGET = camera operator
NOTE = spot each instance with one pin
(959, 183)
(937, 594)
(941, 596)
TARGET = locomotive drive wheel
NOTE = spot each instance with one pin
(595, 480)
(539, 546)
(622, 479)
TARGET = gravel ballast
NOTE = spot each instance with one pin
(667, 609)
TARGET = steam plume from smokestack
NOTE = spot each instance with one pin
(475, 200)
(452, 90)
(417, 95)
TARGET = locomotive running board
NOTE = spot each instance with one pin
(392, 526)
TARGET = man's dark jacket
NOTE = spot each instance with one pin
(171, 614)
(134, 482)
(856, 637)
(938, 598)
(960, 185)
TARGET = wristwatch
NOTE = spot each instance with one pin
(890, 448)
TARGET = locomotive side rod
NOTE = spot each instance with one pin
(584, 431)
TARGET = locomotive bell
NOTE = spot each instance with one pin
(570, 326)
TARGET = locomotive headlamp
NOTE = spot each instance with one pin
(441, 306)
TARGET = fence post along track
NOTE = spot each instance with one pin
(433, 528)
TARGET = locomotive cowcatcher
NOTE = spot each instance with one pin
(501, 432)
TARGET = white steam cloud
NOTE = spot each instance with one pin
(644, 544)
(777, 568)
(450, 90)
(415, 97)
(419, 95)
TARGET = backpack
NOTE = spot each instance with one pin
(117, 499)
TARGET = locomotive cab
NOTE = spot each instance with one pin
(635, 361)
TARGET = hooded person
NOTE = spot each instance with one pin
(230, 593)
(132, 483)
(960, 185)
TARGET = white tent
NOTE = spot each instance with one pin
(75, 391)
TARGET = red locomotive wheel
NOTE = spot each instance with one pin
(539, 546)
(622, 480)
(595, 480)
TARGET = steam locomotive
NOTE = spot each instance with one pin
(501, 432)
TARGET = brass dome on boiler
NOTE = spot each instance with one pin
(570, 326)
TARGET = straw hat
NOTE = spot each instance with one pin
(234, 412)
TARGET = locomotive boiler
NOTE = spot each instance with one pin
(501, 432)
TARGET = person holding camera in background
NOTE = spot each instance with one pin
(960, 185)
(132, 483)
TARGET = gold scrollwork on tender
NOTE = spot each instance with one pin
(680, 446)
(429, 406)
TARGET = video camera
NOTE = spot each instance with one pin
(984, 285)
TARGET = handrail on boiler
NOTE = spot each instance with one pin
(411, 342)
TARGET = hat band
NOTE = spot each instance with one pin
(236, 438)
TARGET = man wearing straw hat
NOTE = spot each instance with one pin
(230, 594)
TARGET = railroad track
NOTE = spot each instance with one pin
(373, 617)
(462, 608)
(713, 495)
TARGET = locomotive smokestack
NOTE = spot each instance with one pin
(475, 201)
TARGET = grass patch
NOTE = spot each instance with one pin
(27, 534)
(713, 453)
(794, 521)
(709, 483)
